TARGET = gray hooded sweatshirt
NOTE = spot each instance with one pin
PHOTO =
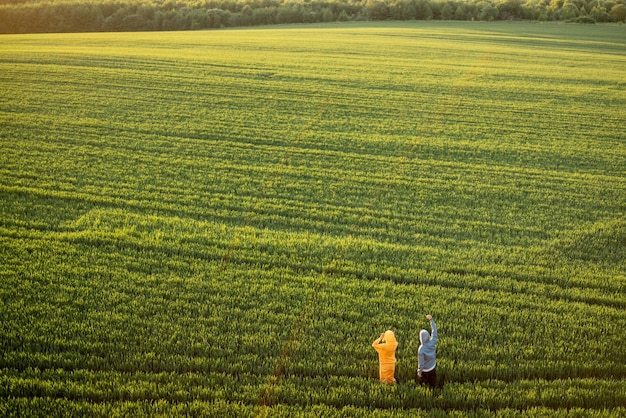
(426, 352)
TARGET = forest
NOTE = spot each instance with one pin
(50, 16)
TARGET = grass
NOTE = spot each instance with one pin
(223, 221)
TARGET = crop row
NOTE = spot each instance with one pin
(97, 305)
(335, 392)
(370, 252)
(422, 193)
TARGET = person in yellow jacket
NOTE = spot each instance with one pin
(386, 346)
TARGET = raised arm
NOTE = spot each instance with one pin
(433, 330)
(377, 340)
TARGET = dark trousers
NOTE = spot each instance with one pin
(429, 378)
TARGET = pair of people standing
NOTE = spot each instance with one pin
(387, 344)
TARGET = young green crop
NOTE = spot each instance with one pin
(225, 220)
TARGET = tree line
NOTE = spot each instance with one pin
(34, 16)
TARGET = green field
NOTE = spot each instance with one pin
(219, 223)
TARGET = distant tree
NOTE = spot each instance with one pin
(395, 10)
(169, 20)
(182, 18)
(402, 10)
(488, 13)
(293, 13)
(599, 14)
(115, 21)
(423, 10)
(447, 12)
(510, 9)
(247, 11)
(471, 10)
(377, 10)
(536, 9)
(554, 9)
(169, 5)
(409, 11)
(327, 15)
(265, 16)
(83, 18)
(459, 13)
(343, 16)
(569, 10)
(199, 19)
(217, 18)
(435, 7)
(134, 22)
(619, 12)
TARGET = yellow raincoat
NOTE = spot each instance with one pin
(386, 348)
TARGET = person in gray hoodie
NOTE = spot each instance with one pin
(426, 370)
